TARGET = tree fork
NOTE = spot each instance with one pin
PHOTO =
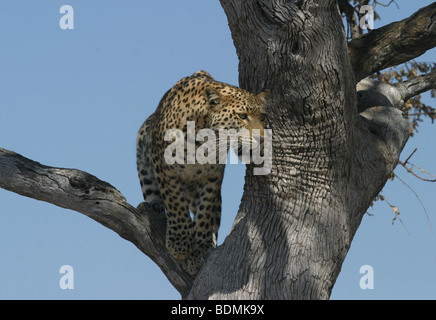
(295, 225)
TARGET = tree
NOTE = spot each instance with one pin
(334, 149)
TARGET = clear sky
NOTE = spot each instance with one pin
(76, 99)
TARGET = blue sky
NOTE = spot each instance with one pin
(76, 99)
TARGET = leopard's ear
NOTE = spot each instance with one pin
(264, 96)
(212, 96)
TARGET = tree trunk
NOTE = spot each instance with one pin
(333, 150)
(295, 225)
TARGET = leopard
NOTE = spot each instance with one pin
(190, 193)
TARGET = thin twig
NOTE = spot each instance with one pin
(419, 199)
(421, 113)
(410, 156)
(386, 5)
(419, 177)
(424, 171)
(397, 213)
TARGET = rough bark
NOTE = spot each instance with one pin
(79, 191)
(294, 226)
(334, 149)
(350, 14)
(394, 43)
(417, 85)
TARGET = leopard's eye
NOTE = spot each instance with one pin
(242, 116)
(262, 117)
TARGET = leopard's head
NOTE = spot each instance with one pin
(239, 113)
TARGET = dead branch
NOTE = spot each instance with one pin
(79, 191)
(393, 44)
(417, 85)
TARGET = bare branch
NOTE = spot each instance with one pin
(410, 170)
(387, 4)
(393, 44)
(79, 191)
(424, 171)
(422, 113)
(417, 85)
(408, 158)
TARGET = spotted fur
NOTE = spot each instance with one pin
(185, 189)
